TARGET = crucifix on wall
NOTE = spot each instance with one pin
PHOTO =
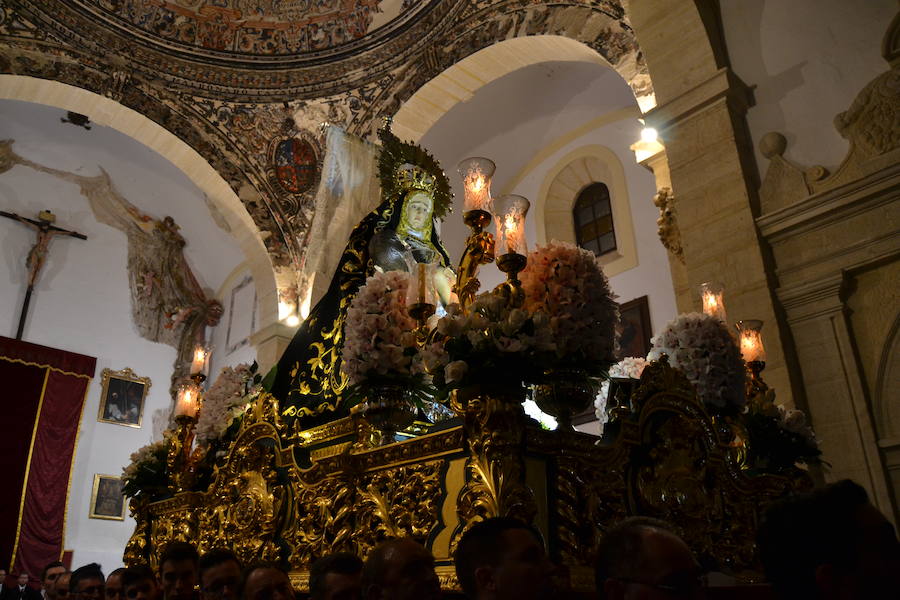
(38, 254)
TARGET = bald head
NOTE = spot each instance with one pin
(400, 569)
(643, 557)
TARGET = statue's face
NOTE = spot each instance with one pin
(418, 210)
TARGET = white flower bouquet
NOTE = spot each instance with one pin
(224, 403)
(146, 476)
(491, 344)
(380, 341)
(701, 347)
(630, 367)
(567, 285)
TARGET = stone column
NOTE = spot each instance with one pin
(270, 343)
(714, 181)
(819, 319)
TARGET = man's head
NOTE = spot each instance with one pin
(87, 582)
(336, 577)
(114, 589)
(503, 558)
(49, 575)
(2, 576)
(61, 587)
(400, 569)
(830, 543)
(22, 579)
(643, 559)
(178, 571)
(266, 582)
(139, 583)
(220, 575)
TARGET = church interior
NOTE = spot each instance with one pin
(200, 196)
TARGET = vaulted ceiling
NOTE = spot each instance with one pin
(246, 83)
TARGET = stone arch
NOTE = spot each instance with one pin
(460, 81)
(560, 188)
(105, 111)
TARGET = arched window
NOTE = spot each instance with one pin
(592, 213)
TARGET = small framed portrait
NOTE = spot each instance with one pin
(107, 499)
(122, 398)
(634, 328)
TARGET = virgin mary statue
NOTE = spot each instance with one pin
(397, 234)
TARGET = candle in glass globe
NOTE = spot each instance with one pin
(752, 348)
(509, 214)
(187, 401)
(200, 360)
(712, 295)
(476, 173)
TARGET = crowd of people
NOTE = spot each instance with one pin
(828, 544)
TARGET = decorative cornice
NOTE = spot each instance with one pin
(823, 297)
(820, 210)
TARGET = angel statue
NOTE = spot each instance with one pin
(397, 235)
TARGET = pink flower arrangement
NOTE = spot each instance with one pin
(567, 285)
(702, 348)
(379, 338)
(223, 403)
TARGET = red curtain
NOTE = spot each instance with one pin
(42, 394)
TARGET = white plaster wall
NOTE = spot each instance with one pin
(231, 346)
(808, 59)
(82, 302)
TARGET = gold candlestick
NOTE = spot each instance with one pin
(421, 311)
(511, 263)
(479, 251)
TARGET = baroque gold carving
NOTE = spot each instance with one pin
(670, 459)
(495, 469)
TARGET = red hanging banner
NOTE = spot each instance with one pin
(42, 397)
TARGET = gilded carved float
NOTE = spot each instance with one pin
(288, 496)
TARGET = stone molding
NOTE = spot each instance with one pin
(811, 300)
(723, 84)
(831, 206)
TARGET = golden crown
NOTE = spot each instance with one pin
(411, 177)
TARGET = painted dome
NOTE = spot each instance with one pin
(255, 27)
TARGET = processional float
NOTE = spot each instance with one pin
(436, 438)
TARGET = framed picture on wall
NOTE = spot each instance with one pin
(107, 499)
(122, 398)
(634, 328)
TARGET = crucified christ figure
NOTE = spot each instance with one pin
(38, 254)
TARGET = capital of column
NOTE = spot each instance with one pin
(820, 298)
(724, 84)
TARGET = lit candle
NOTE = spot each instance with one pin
(510, 211)
(423, 268)
(476, 173)
(751, 340)
(712, 296)
(186, 401)
(512, 235)
(199, 362)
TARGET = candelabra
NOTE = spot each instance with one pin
(510, 211)
(476, 174)
(750, 331)
(188, 399)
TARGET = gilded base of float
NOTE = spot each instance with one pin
(669, 460)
